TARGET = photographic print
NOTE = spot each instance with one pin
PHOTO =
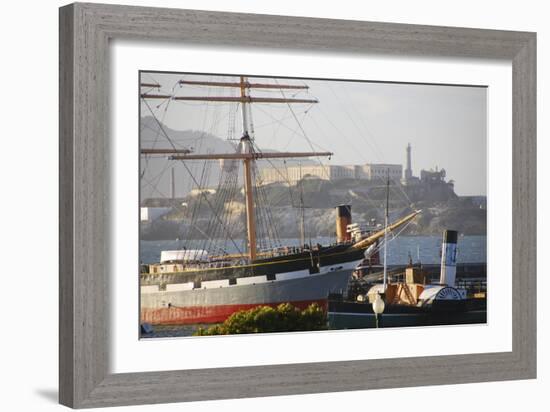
(292, 204)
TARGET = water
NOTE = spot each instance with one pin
(471, 249)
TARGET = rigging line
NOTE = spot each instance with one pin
(292, 135)
(162, 120)
(150, 75)
(299, 206)
(155, 138)
(152, 81)
(276, 130)
(352, 120)
(277, 122)
(220, 201)
(214, 124)
(201, 232)
(310, 144)
(351, 144)
(368, 200)
(155, 181)
(230, 125)
(372, 144)
(230, 184)
(257, 210)
(207, 167)
(149, 89)
(394, 236)
(218, 117)
(302, 209)
(162, 170)
(398, 192)
(258, 198)
(159, 172)
(203, 125)
(211, 223)
(303, 132)
(234, 183)
(155, 189)
(190, 174)
(197, 204)
(281, 124)
(395, 188)
(292, 199)
(212, 227)
(274, 121)
(269, 214)
(322, 130)
(260, 224)
(362, 121)
(285, 178)
(262, 197)
(271, 235)
(223, 187)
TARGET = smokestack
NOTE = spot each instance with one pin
(343, 219)
(172, 185)
(448, 258)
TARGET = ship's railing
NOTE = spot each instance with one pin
(269, 253)
(227, 260)
(472, 285)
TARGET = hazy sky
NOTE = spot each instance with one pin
(360, 122)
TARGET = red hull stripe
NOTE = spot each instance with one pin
(208, 314)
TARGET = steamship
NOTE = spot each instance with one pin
(190, 286)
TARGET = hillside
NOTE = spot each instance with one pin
(155, 169)
(442, 209)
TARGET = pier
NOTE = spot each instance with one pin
(464, 272)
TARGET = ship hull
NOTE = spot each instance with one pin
(215, 304)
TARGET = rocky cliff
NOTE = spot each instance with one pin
(442, 209)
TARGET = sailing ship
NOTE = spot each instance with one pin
(197, 285)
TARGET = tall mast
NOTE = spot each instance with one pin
(386, 218)
(244, 108)
(246, 147)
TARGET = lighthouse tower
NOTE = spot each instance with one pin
(408, 170)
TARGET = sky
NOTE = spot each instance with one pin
(359, 121)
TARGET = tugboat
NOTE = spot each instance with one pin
(412, 301)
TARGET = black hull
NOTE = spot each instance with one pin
(342, 306)
(354, 315)
(304, 260)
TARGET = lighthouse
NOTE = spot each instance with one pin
(408, 170)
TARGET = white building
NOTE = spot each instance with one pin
(205, 191)
(293, 174)
(149, 214)
(381, 171)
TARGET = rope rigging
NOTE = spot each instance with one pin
(219, 232)
(194, 179)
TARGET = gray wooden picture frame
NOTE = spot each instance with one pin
(85, 32)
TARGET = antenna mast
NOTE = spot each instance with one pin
(246, 147)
